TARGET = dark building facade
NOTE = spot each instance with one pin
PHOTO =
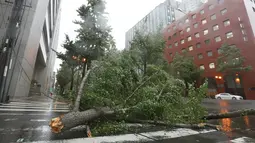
(202, 32)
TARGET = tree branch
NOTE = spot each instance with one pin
(234, 114)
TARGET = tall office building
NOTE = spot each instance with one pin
(29, 31)
(163, 15)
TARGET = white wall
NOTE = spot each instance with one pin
(249, 4)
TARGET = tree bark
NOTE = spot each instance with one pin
(234, 114)
(72, 78)
(186, 89)
(78, 98)
(84, 69)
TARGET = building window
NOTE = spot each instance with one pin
(239, 19)
(211, 7)
(180, 24)
(253, 9)
(243, 32)
(229, 35)
(183, 50)
(169, 37)
(204, 21)
(194, 16)
(182, 41)
(188, 29)
(200, 56)
(181, 32)
(223, 11)
(189, 38)
(212, 66)
(217, 39)
(175, 34)
(207, 41)
(219, 51)
(168, 30)
(202, 67)
(213, 17)
(215, 27)
(174, 27)
(245, 38)
(170, 46)
(187, 20)
(226, 23)
(206, 32)
(176, 44)
(190, 48)
(209, 53)
(195, 25)
(197, 35)
(202, 12)
(171, 55)
(198, 45)
(241, 25)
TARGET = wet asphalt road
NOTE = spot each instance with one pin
(32, 125)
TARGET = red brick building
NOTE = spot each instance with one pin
(202, 32)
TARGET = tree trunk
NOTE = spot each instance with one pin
(84, 69)
(234, 114)
(74, 119)
(186, 89)
(78, 98)
(72, 78)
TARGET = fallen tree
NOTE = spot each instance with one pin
(233, 114)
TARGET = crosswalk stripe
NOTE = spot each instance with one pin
(134, 137)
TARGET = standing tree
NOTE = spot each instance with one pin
(184, 68)
(62, 78)
(231, 62)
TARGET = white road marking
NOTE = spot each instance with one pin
(11, 114)
(33, 110)
(42, 107)
(242, 140)
(133, 137)
(13, 119)
(39, 120)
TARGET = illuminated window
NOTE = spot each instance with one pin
(217, 39)
(219, 51)
(226, 23)
(197, 35)
(202, 12)
(245, 38)
(241, 25)
(202, 67)
(189, 38)
(194, 16)
(176, 44)
(188, 29)
(204, 21)
(243, 32)
(182, 41)
(223, 11)
(212, 66)
(195, 25)
(215, 27)
(187, 20)
(206, 32)
(213, 17)
(200, 56)
(170, 46)
(209, 53)
(229, 35)
(190, 48)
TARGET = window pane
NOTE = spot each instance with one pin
(226, 22)
(170, 46)
(176, 44)
(219, 51)
(182, 41)
(202, 67)
(215, 27)
(217, 39)
(195, 25)
(209, 53)
(189, 38)
(211, 65)
(181, 32)
(175, 34)
(213, 17)
(198, 45)
(229, 35)
(206, 32)
(223, 11)
(241, 25)
(204, 21)
(197, 35)
(211, 7)
(187, 21)
(245, 38)
(202, 12)
(207, 41)
(194, 16)
(169, 37)
(168, 30)
(190, 48)
(200, 56)
(171, 55)
(188, 29)
(183, 50)
(174, 27)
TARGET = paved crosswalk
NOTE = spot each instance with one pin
(34, 106)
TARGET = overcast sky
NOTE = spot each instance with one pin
(123, 14)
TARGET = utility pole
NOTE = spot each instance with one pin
(9, 44)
